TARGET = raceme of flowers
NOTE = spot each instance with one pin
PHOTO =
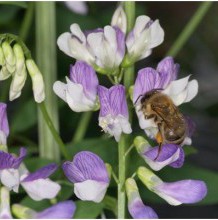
(107, 51)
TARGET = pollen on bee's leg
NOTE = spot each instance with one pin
(159, 140)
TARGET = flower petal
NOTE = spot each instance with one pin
(84, 74)
(63, 43)
(4, 119)
(41, 189)
(61, 210)
(8, 161)
(146, 81)
(90, 190)
(78, 7)
(60, 90)
(136, 207)
(192, 89)
(168, 70)
(184, 191)
(10, 179)
(86, 166)
(41, 173)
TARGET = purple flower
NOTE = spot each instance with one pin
(5, 211)
(61, 210)
(164, 78)
(9, 165)
(171, 154)
(113, 117)
(136, 207)
(175, 193)
(4, 128)
(145, 35)
(103, 49)
(80, 91)
(89, 174)
(38, 186)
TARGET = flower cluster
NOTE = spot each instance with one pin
(13, 63)
(109, 51)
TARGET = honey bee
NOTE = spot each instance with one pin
(172, 128)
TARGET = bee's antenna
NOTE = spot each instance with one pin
(137, 99)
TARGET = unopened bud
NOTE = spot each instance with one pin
(148, 178)
(9, 56)
(2, 57)
(23, 212)
(119, 19)
(37, 81)
(19, 77)
(5, 212)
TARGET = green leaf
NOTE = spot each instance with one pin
(110, 203)
(25, 117)
(88, 210)
(190, 150)
(36, 205)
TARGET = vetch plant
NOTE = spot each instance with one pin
(102, 79)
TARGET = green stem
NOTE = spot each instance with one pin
(27, 21)
(46, 59)
(52, 129)
(189, 28)
(82, 127)
(122, 178)
(128, 81)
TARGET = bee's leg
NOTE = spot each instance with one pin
(159, 139)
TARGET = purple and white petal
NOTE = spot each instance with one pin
(38, 186)
(108, 47)
(61, 210)
(136, 207)
(89, 174)
(74, 44)
(145, 35)
(40, 189)
(175, 193)
(113, 117)
(41, 173)
(168, 70)
(184, 191)
(119, 19)
(80, 91)
(170, 154)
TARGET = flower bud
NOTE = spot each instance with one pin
(23, 212)
(4, 73)
(119, 19)
(136, 207)
(5, 212)
(19, 77)
(37, 81)
(9, 57)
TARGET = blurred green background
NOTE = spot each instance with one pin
(198, 57)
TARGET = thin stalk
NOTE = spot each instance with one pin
(82, 127)
(128, 81)
(122, 177)
(27, 21)
(46, 59)
(189, 28)
(53, 130)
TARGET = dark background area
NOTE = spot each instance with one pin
(198, 57)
